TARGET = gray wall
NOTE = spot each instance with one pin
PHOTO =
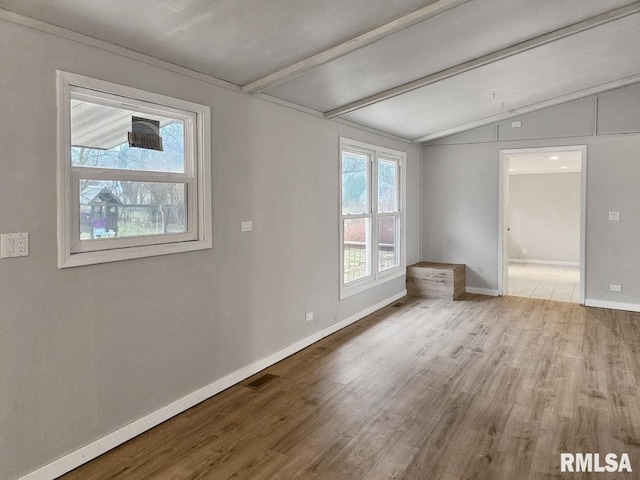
(460, 191)
(85, 351)
(544, 217)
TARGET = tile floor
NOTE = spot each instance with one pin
(548, 282)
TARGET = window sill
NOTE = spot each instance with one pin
(347, 291)
(116, 255)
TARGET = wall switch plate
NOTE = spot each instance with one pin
(14, 245)
(246, 226)
(615, 288)
(614, 216)
(308, 317)
(516, 124)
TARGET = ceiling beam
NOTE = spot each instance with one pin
(490, 58)
(360, 41)
(516, 112)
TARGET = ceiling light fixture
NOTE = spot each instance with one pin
(564, 166)
(555, 157)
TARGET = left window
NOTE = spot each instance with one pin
(133, 173)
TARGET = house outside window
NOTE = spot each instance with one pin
(133, 173)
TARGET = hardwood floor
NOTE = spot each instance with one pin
(483, 388)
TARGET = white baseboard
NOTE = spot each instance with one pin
(629, 307)
(544, 262)
(482, 291)
(89, 452)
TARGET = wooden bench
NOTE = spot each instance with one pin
(443, 280)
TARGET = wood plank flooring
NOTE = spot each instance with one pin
(482, 388)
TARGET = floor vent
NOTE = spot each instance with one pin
(261, 381)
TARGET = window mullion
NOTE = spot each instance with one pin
(355, 216)
(375, 230)
(90, 173)
(401, 187)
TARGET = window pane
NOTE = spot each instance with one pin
(357, 250)
(355, 180)
(388, 243)
(111, 209)
(387, 186)
(99, 138)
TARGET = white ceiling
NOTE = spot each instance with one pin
(594, 57)
(548, 162)
(241, 41)
(454, 37)
(234, 40)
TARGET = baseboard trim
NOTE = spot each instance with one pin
(83, 455)
(483, 291)
(628, 307)
(544, 262)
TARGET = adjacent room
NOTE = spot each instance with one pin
(543, 202)
(259, 239)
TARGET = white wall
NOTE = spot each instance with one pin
(460, 192)
(85, 351)
(544, 217)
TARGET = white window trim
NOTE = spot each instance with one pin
(198, 203)
(375, 278)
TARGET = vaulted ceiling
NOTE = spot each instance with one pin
(416, 69)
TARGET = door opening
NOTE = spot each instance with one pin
(542, 223)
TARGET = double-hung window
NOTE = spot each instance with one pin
(133, 173)
(372, 215)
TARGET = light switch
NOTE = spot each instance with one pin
(14, 245)
(246, 226)
(516, 124)
(614, 216)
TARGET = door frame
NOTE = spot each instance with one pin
(503, 202)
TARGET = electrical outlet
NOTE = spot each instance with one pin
(308, 317)
(614, 216)
(246, 226)
(14, 245)
(615, 288)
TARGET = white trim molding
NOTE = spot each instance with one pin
(628, 307)
(482, 291)
(87, 453)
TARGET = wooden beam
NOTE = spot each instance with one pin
(490, 58)
(360, 41)
(529, 109)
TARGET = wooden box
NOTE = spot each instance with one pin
(443, 280)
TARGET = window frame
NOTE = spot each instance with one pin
(375, 277)
(72, 251)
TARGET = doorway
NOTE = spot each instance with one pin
(542, 223)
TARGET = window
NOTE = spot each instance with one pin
(372, 216)
(133, 173)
